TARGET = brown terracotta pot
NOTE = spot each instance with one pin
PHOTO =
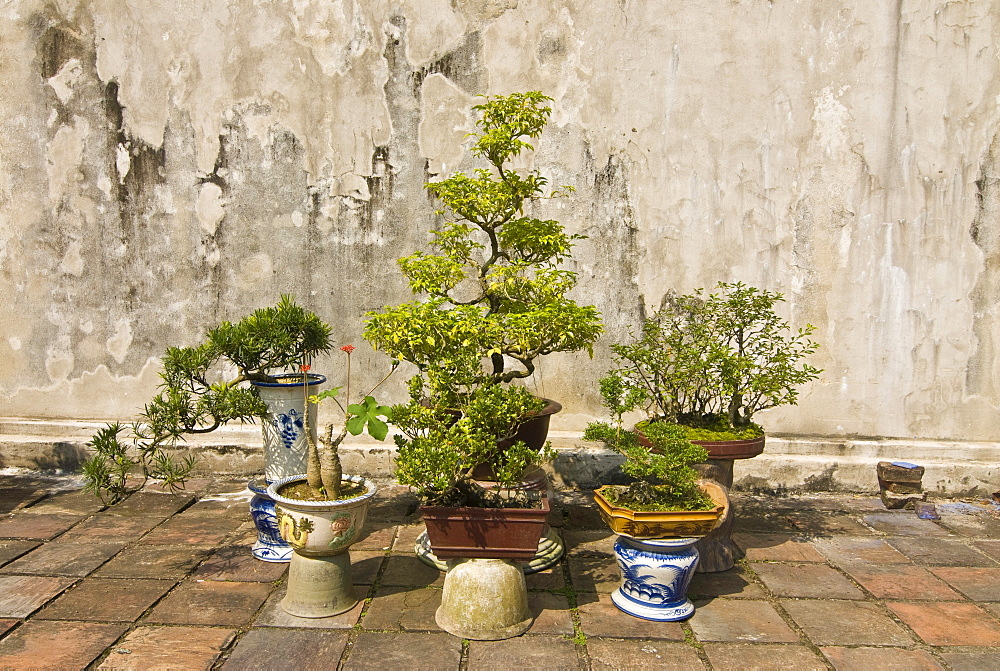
(722, 449)
(486, 533)
(534, 431)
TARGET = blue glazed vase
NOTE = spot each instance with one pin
(656, 574)
(269, 546)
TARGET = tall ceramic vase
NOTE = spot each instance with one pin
(320, 533)
(285, 448)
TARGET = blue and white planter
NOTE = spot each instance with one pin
(285, 448)
(656, 574)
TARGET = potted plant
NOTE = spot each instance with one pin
(494, 298)
(479, 528)
(708, 364)
(321, 513)
(658, 517)
(197, 396)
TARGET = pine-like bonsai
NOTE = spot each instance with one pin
(196, 397)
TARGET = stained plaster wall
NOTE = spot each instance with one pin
(167, 166)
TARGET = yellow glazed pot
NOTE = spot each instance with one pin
(667, 523)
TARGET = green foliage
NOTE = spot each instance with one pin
(493, 290)
(365, 416)
(711, 362)
(194, 398)
(438, 448)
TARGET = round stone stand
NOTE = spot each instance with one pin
(655, 577)
(550, 549)
(484, 600)
(319, 586)
(717, 549)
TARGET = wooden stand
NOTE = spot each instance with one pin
(717, 549)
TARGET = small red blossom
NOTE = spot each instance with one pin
(348, 348)
(305, 367)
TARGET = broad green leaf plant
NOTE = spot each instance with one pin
(196, 396)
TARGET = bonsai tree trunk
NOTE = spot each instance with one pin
(331, 472)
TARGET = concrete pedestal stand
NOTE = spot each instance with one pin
(484, 600)
(319, 586)
(717, 550)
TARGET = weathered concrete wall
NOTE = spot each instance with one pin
(166, 166)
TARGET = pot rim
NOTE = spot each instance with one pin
(544, 507)
(272, 490)
(708, 487)
(314, 379)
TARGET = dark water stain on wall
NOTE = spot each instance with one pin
(981, 377)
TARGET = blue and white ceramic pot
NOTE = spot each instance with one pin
(285, 442)
(269, 546)
(655, 577)
(320, 533)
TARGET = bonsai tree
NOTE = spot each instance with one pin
(438, 448)
(324, 473)
(492, 289)
(196, 397)
(709, 363)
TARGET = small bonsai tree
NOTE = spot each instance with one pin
(710, 363)
(439, 448)
(494, 291)
(196, 397)
(665, 477)
(324, 473)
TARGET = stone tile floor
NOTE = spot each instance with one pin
(167, 581)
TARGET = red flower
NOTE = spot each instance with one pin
(348, 348)
(305, 367)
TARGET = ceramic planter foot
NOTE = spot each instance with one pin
(269, 545)
(550, 551)
(319, 586)
(655, 577)
(484, 600)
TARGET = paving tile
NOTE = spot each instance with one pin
(582, 515)
(883, 659)
(777, 547)
(20, 596)
(365, 565)
(186, 648)
(153, 561)
(11, 550)
(395, 504)
(740, 620)
(40, 527)
(268, 649)
(972, 661)
(523, 652)
(946, 623)
(58, 558)
(433, 651)
(980, 525)
(235, 563)
(407, 609)
(550, 578)
(990, 547)
(376, 539)
(824, 523)
(272, 615)
(732, 584)
(227, 604)
(235, 505)
(979, 584)
(6, 625)
(940, 552)
(551, 613)
(852, 549)
(408, 570)
(600, 617)
(16, 498)
(764, 656)
(192, 530)
(903, 523)
(845, 623)
(590, 541)
(808, 581)
(112, 529)
(640, 654)
(79, 502)
(57, 645)
(901, 581)
(151, 504)
(106, 600)
(591, 573)
(406, 538)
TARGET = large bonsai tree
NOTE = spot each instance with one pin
(493, 290)
(196, 396)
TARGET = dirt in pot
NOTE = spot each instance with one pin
(301, 491)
